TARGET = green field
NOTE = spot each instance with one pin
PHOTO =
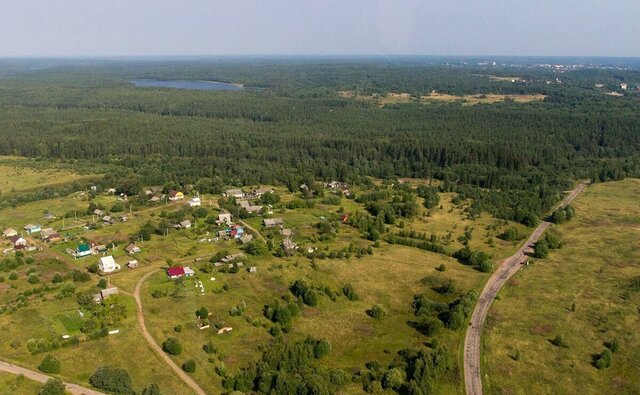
(19, 175)
(11, 384)
(390, 277)
(593, 270)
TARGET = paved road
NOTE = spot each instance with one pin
(472, 376)
(154, 346)
(42, 378)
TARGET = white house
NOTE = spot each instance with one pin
(108, 265)
(236, 193)
(9, 233)
(195, 201)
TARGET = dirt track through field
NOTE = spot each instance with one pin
(42, 378)
(154, 346)
(472, 374)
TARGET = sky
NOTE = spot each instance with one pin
(87, 28)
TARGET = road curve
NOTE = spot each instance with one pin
(472, 376)
(154, 346)
(42, 378)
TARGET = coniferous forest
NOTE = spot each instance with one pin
(291, 125)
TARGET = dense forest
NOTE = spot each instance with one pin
(291, 125)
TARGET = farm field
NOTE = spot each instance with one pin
(23, 175)
(435, 97)
(595, 271)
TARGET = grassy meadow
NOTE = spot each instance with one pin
(594, 270)
(390, 277)
(11, 384)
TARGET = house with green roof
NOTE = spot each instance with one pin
(83, 250)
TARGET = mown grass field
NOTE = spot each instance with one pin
(593, 270)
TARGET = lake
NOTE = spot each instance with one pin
(187, 84)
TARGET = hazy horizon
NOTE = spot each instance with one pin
(200, 28)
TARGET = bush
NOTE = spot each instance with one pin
(321, 349)
(102, 284)
(350, 292)
(13, 276)
(614, 345)
(112, 379)
(49, 365)
(209, 348)
(33, 279)
(202, 313)
(57, 278)
(53, 386)
(603, 360)
(559, 341)
(172, 346)
(189, 366)
(541, 249)
(80, 276)
(394, 379)
(376, 312)
(429, 326)
(441, 268)
(257, 248)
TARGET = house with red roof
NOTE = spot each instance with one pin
(180, 271)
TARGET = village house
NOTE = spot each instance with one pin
(83, 250)
(132, 264)
(175, 195)
(624, 86)
(132, 248)
(98, 212)
(286, 232)
(231, 257)
(258, 192)
(224, 219)
(344, 218)
(30, 228)
(108, 220)
(18, 242)
(246, 238)
(180, 271)
(253, 269)
(186, 224)
(236, 193)
(249, 207)
(108, 265)
(271, 222)
(289, 245)
(195, 201)
(237, 232)
(104, 294)
(8, 233)
(49, 235)
(154, 199)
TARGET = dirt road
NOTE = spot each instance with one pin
(154, 346)
(472, 375)
(42, 378)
